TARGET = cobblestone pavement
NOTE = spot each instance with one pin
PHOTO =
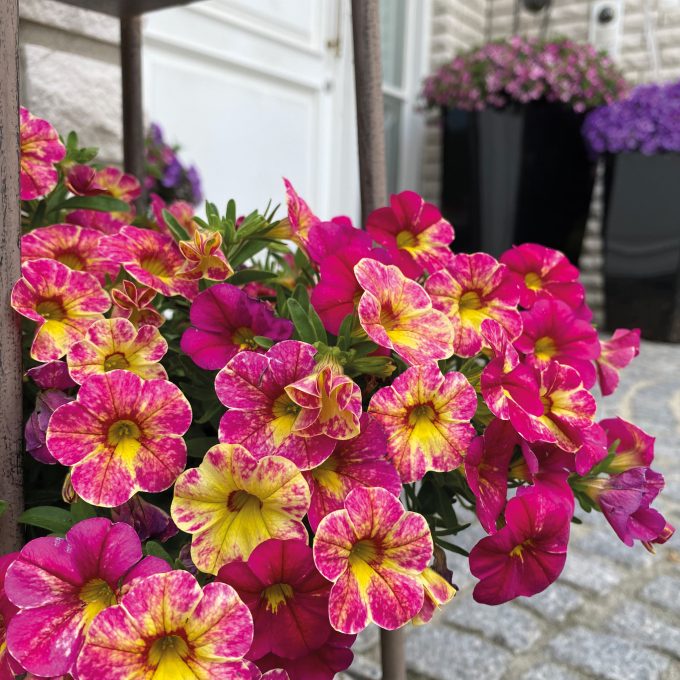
(615, 611)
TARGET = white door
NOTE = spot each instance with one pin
(254, 90)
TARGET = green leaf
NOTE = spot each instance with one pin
(345, 332)
(245, 251)
(248, 275)
(263, 341)
(197, 447)
(47, 517)
(100, 203)
(175, 227)
(303, 326)
(452, 547)
(81, 510)
(300, 294)
(155, 549)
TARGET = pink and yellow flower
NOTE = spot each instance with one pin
(543, 273)
(414, 232)
(470, 290)
(115, 343)
(9, 668)
(136, 304)
(397, 313)
(40, 151)
(204, 258)
(553, 332)
(76, 247)
(374, 551)
(329, 402)
(61, 584)
(122, 435)
(224, 321)
(426, 416)
(62, 302)
(107, 223)
(153, 259)
(169, 628)
(119, 184)
(438, 592)
(616, 354)
(232, 502)
(286, 595)
(358, 462)
(300, 217)
(182, 211)
(526, 555)
(632, 446)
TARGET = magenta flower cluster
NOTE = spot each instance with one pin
(648, 121)
(521, 70)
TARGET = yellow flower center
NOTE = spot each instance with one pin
(533, 281)
(388, 318)
(545, 348)
(51, 310)
(364, 551)
(71, 260)
(470, 301)
(242, 501)
(114, 361)
(155, 266)
(406, 239)
(422, 412)
(124, 435)
(167, 655)
(277, 595)
(243, 337)
(547, 404)
(97, 596)
(326, 476)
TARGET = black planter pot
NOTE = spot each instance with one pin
(516, 175)
(642, 244)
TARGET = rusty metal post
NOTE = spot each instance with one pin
(11, 477)
(133, 116)
(372, 174)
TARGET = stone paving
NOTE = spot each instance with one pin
(614, 613)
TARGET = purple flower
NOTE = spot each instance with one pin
(46, 403)
(148, 520)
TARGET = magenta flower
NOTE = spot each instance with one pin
(634, 447)
(9, 668)
(616, 354)
(286, 595)
(107, 223)
(426, 416)
(472, 289)
(136, 305)
(358, 462)
(262, 416)
(224, 322)
(543, 273)
(374, 551)
(52, 375)
(328, 238)
(526, 555)
(61, 584)
(552, 331)
(321, 664)
(35, 432)
(148, 520)
(41, 150)
(414, 232)
(486, 470)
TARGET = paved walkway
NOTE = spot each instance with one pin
(615, 611)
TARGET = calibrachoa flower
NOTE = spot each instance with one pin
(374, 551)
(526, 555)
(329, 402)
(148, 520)
(8, 666)
(414, 232)
(35, 432)
(118, 184)
(438, 591)
(204, 258)
(135, 304)
(61, 584)
(182, 211)
(107, 223)
(426, 416)
(80, 181)
(115, 343)
(62, 302)
(261, 416)
(321, 664)
(232, 502)
(123, 434)
(616, 354)
(355, 462)
(300, 218)
(551, 330)
(224, 321)
(52, 375)
(40, 151)
(543, 273)
(472, 289)
(397, 313)
(167, 627)
(634, 447)
(76, 247)
(328, 238)
(286, 595)
(153, 259)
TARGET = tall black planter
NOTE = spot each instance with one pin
(516, 175)
(642, 244)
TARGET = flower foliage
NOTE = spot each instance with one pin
(263, 430)
(521, 70)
